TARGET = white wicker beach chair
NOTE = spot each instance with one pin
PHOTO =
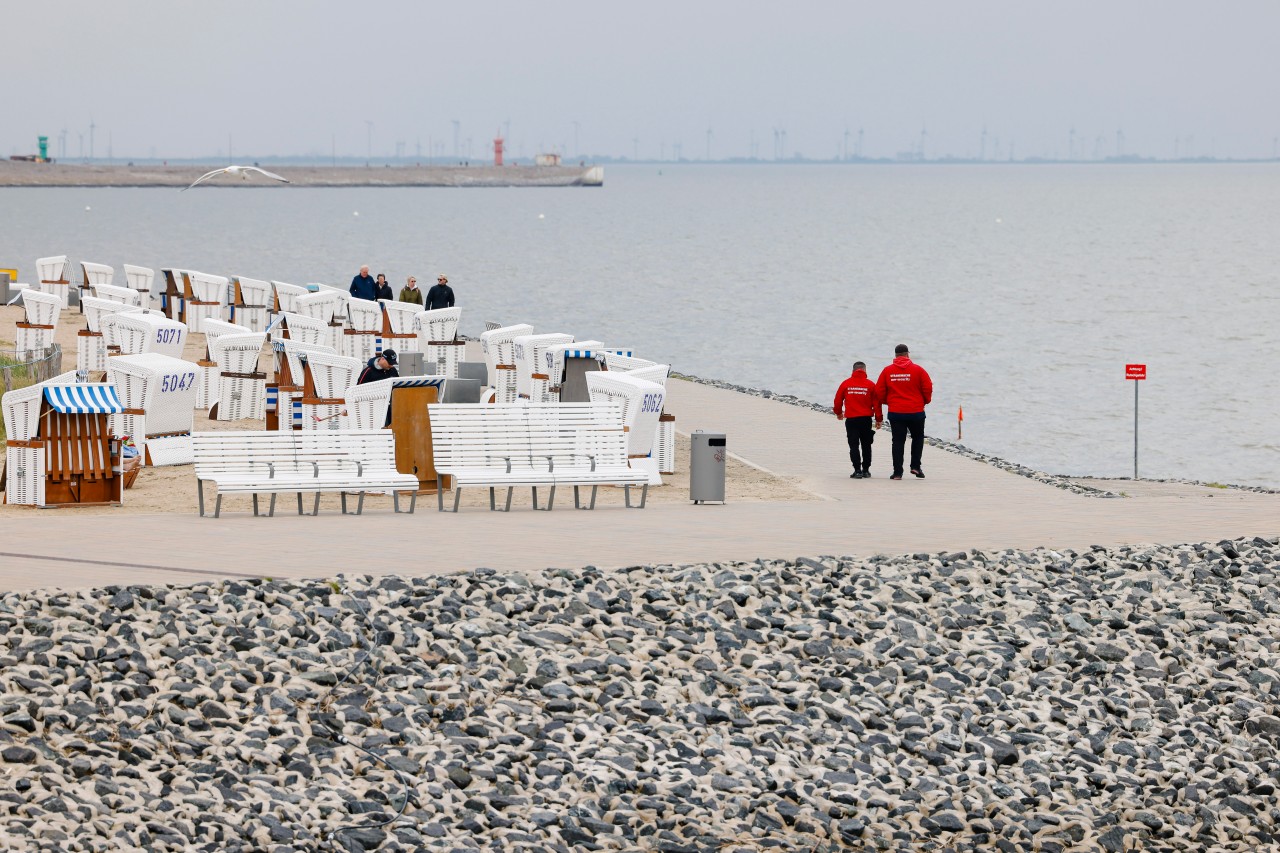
(437, 333)
(136, 332)
(41, 310)
(398, 330)
(159, 395)
(641, 403)
(94, 275)
(289, 383)
(327, 378)
(24, 459)
(499, 348)
(287, 296)
(115, 293)
(367, 404)
(252, 298)
(624, 363)
(303, 329)
(241, 386)
(329, 306)
(362, 337)
(207, 300)
(140, 279)
(532, 383)
(53, 277)
(91, 344)
(209, 370)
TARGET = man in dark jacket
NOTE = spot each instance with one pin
(440, 296)
(381, 366)
(363, 286)
(856, 403)
(906, 388)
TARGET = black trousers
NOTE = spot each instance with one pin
(901, 425)
(860, 434)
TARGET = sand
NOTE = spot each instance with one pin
(172, 489)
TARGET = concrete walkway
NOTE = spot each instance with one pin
(961, 505)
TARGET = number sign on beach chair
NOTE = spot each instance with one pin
(91, 344)
(159, 395)
(499, 348)
(252, 298)
(53, 279)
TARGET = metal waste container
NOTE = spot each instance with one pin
(707, 453)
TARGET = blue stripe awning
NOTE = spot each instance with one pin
(418, 381)
(593, 353)
(81, 399)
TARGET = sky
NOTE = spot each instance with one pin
(651, 80)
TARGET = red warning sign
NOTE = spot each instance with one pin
(1135, 371)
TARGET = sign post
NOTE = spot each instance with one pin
(1137, 373)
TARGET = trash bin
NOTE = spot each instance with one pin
(706, 466)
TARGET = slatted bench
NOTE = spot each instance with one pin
(350, 462)
(551, 445)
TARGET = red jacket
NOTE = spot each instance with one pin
(905, 386)
(857, 398)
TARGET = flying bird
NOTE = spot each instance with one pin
(242, 171)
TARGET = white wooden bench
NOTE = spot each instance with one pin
(551, 445)
(347, 461)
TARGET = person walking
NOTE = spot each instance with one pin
(384, 289)
(363, 286)
(410, 292)
(856, 404)
(905, 387)
(441, 295)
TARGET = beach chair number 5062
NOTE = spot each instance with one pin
(177, 382)
(652, 403)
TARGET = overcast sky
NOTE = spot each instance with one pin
(275, 77)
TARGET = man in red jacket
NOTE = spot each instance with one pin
(906, 388)
(856, 403)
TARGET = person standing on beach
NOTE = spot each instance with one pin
(410, 292)
(440, 296)
(856, 403)
(384, 289)
(363, 286)
(906, 388)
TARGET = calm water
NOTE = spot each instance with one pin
(1023, 289)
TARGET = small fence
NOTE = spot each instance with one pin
(20, 369)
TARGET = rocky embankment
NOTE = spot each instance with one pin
(1107, 700)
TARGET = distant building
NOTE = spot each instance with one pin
(547, 160)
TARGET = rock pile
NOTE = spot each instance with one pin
(1121, 699)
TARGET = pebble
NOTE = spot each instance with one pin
(1110, 699)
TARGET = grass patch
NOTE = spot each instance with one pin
(1217, 485)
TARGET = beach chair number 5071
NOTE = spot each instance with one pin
(164, 336)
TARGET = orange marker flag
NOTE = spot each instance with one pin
(960, 424)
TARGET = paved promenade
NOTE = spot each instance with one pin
(961, 505)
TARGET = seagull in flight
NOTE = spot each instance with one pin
(242, 171)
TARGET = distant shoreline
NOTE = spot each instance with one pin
(27, 174)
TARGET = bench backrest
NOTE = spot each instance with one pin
(568, 433)
(326, 451)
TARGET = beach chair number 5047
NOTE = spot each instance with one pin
(177, 381)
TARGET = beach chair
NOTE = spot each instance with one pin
(398, 331)
(362, 337)
(326, 380)
(91, 344)
(206, 298)
(24, 455)
(437, 333)
(252, 299)
(567, 365)
(140, 279)
(624, 363)
(36, 331)
(641, 403)
(114, 293)
(207, 389)
(52, 273)
(136, 332)
(303, 329)
(499, 348)
(329, 306)
(158, 393)
(241, 386)
(283, 411)
(173, 299)
(92, 274)
(531, 382)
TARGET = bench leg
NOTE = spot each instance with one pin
(359, 503)
(217, 507)
(551, 498)
(413, 501)
(510, 491)
(299, 503)
(342, 499)
(316, 510)
(457, 496)
(395, 500)
(594, 490)
(200, 496)
(272, 512)
(255, 504)
(492, 507)
(644, 495)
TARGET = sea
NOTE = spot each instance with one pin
(1024, 289)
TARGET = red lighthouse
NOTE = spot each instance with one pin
(497, 150)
